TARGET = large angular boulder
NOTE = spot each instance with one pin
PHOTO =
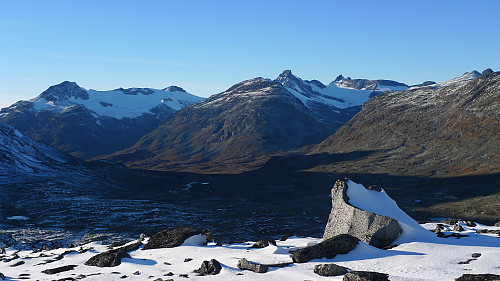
(252, 266)
(171, 237)
(376, 230)
(340, 244)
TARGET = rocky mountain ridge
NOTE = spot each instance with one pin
(429, 131)
(87, 123)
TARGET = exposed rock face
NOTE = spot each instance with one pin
(59, 269)
(171, 237)
(444, 131)
(264, 243)
(329, 269)
(365, 276)
(478, 277)
(244, 124)
(112, 257)
(329, 248)
(376, 230)
(211, 267)
(255, 267)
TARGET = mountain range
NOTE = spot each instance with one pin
(88, 123)
(241, 128)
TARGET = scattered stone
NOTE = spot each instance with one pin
(329, 269)
(478, 277)
(340, 244)
(211, 267)
(375, 188)
(470, 223)
(476, 255)
(285, 237)
(188, 260)
(450, 221)
(123, 276)
(18, 263)
(255, 267)
(184, 275)
(2, 276)
(263, 243)
(116, 244)
(24, 274)
(376, 230)
(239, 273)
(171, 237)
(166, 263)
(242, 241)
(158, 279)
(492, 231)
(137, 273)
(365, 276)
(497, 224)
(169, 274)
(59, 269)
(2, 251)
(458, 228)
(467, 261)
(112, 257)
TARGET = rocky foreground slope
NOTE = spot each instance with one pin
(426, 131)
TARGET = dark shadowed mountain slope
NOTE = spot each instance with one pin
(87, 123)
(244, 125)
(426, 131)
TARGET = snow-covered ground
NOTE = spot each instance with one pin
(419, 255)
(423, 259)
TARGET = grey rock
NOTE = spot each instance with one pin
(365, 276)
(263, 243)
(211, 267)
(18, 263)
(340, 244)
(476, 255)
(478, 277)
(171, 237)
(470, 223)
(59, 269)
(497, 224)
(2, 276)
(376, 230)
(255, 267)
(112, 257)
(329, 269)
(458, 228)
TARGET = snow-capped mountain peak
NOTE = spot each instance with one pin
(64, 91)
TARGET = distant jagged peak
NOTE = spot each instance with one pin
(340, 77)
(174, 89)
(487, 71)
(467, 76)
(64, 91)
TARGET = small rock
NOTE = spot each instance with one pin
(211, 267)
(123, 276)
(2, 251)
(184, 275)
(375, 188)
(340, 244)
(188, 260)
(470, 223)
(158, 279)
(2, 276)
(365, 276)
(137, 273)
(239, 273)
(329, 269)
(497, 224)
(476, 255)
(478, 277)
(263, 243)
(167, 263)
(255, 267)
(285, 237)
(169, 274)
(59, 269)
(18, 263)
(458, 228)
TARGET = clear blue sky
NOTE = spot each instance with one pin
(207, 46)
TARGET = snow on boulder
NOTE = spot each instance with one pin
(369, 215)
